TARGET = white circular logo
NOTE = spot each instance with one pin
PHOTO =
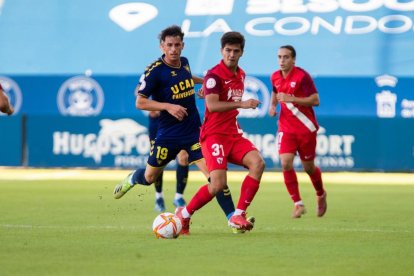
(80, 96)
(255, 89)
(210, 83)
(13, 92)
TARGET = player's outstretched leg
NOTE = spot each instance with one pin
(123, 187)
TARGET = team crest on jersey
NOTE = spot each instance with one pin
(220, 160)
(293, 84)
(255, 89)
(13, 92)
(186, 67)
(173, 74)
(80, 96)
(210, 83)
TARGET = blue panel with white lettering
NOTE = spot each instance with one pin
(11, 140)
(333, 38)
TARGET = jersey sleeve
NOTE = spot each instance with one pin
(308, 85)
(147, 83)
(272, 81)
(212, 84)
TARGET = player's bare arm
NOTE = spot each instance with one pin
(197, 80)
(214, 104)
(312, 100)
(175, 110)
(272, 105)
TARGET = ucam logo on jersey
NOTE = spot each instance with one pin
(13, 92)
(124, 139)
(80, 96)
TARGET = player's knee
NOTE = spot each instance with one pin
(286, 165)
(216, 187)
(151, 178)
(257, 166)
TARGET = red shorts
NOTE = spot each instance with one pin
(218, 150)
(304, 144)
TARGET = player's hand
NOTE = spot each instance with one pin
(177, 111)
(272, 111)
(250, 103)
(284, 98)
(200, 93)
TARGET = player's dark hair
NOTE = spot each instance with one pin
(290, 48)
(232, 38)
(173, 30)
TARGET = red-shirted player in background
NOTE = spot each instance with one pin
(221, 137)
(5, 105)
(293, 87)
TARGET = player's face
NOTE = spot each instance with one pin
(286, 61)
(231, 54)
(172, 47)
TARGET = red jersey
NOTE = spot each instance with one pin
(230, 88)
(295, 118)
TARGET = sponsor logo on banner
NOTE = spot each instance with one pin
(271, 18)
(386, 100)
(80, 96)
(13, 92)
(255, 89)
(124, 140)
(333, 151)
(130, 16)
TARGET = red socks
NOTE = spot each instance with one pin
(316, 179)
(248, 191)
(201, 198)
(292, 185)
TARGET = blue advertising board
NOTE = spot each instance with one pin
(381, 97)
(11, 141)
(357, 143)
(333, 38)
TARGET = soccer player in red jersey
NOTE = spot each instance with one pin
(5, 105)
(294, 89)
(221, 137)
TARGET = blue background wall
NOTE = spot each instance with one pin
(69, 65)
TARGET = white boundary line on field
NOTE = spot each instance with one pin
(116, 175)
(114, 227)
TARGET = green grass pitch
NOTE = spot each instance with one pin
(75, 227)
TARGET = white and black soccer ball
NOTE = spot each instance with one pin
(167, 226)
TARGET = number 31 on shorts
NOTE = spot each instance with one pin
(217, 150)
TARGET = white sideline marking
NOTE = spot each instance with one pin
(113, 227)
(31, 174)
(87, 227)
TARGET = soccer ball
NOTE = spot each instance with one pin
(166, 226)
